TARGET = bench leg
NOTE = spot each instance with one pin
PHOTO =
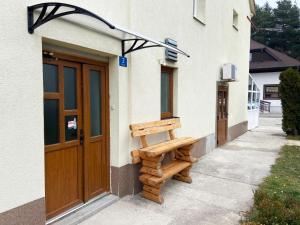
(185, 154)
(184, 176)
(153, 193)
(152, 165)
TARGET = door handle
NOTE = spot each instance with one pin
(81, 137)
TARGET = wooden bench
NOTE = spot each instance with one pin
(153, 173)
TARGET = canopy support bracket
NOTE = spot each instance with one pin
(141, 45)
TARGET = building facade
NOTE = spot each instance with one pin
(67, 102)
(265, 67)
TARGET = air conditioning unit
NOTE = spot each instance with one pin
(229, 72)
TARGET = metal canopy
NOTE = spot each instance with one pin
(137, 43)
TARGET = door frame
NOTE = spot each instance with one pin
(105, 65)
(221, 84)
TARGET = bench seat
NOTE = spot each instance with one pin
(169, 170)
(164, 147)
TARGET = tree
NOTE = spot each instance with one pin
(279, 28)
(264, 18)
(289, 89)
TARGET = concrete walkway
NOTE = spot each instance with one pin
(222, 188)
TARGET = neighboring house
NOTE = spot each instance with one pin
(67, 99)
(266, 64)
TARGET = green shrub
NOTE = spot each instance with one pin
(272, 210)
(289, 89)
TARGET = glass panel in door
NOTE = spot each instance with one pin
(95, 103)
(50, 78)
(51, 121)
(165, 92)
(70, 88)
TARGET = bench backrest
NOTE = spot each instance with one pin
(143, 129)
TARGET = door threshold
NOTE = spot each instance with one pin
(83, 211)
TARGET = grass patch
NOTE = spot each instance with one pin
(277, 200)
(292, 137)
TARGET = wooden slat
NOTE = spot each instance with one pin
(154, 165)
(154, 130)
(151, 171)
(154, 127)
(168, 146)
(163, 144)
(168, 171)
(152, 159)
(139, 126)
(145, 180)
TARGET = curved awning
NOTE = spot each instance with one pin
(52, 10)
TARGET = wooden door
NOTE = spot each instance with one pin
(76, 157)
(95, 130)
(222, 114)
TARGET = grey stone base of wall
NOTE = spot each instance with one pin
(124, 180)
(237, 130)
(32, 213)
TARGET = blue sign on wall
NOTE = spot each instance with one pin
(122, 61)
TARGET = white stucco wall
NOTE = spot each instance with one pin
(134, 91)
(253, 118)
(268, 78)
(21, 110)
(210, 46)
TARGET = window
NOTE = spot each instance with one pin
(166, 92)
(253, 95)
(235, 22)
(271, 92)
(199, 10)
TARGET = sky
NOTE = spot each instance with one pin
(273, 2)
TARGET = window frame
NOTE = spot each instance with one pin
(196, 16)
(170, 72)
(235, 19)
(253, 104)
(271, 98)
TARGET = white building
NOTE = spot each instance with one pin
(67, 101)
(265, 67)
